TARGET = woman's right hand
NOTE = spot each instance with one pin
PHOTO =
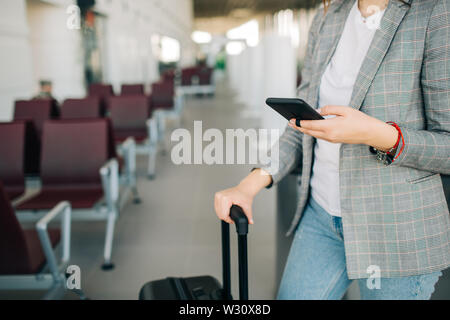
(225, 199)
(242, 195)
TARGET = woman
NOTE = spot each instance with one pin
(371, 200)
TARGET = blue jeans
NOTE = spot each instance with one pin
(316, 266)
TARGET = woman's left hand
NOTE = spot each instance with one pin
(350, 126)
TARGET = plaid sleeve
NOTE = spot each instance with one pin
(430, 149)
(290, 143)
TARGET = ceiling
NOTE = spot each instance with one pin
(241, 9)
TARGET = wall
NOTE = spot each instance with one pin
(15, 56)
(35, 43)
(129, 27)
(56, 50)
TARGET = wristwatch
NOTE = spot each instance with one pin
(386, 158)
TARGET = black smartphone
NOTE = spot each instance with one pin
(293, 109)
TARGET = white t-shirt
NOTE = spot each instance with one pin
(336, 89)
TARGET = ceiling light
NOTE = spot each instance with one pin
(201, 37)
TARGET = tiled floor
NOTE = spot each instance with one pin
(174, 231)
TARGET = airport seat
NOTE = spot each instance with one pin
(169, 75)
(126, 161)
(27, 257)
(76, 166)
(103, 91)
(166, 104)
(88, 108)
(187, 75)
(12, 151)
(197, 80)
(131, 117)
(205, 76)
(132, 89)
(37, 111)
(162, 96)
(80, 198)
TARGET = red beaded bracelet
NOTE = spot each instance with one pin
(400, 136)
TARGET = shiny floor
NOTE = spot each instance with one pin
(174, 231)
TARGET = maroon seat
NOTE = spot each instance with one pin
(73, 151)
(187, 74)
(128, 116)
(38, 111)
(12, 151)
(202, 73)
(103, 91)
(87, 108)
(169, 75)
(205, 76)
(84, 198)
(132, 89)
(162, 96)
(20, 250)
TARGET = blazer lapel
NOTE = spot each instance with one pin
(395, 12)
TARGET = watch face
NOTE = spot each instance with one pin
(385, 158)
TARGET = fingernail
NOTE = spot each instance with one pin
(252, 222)
(292, 121)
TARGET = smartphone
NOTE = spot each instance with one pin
(293, 109)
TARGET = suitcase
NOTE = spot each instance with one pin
(207, 287)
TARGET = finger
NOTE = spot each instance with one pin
(316, 134)
(225, 211)
(249, 213)
(314, 127)
(334, 111)
(317, 125)
(220, 207)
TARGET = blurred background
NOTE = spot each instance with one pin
(93, 85)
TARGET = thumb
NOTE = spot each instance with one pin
(333, 111)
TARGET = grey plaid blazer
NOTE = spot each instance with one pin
(395, 217)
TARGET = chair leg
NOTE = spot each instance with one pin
(136, 197)
(151, 163)
(110, 223)
(162, 131)
(56, 292)
(132, 184)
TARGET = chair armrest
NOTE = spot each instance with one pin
(65, 209)
(110, 182)
(128, 147)
(179, 102)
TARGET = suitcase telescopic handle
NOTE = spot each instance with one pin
(241, 223)
(240, 220)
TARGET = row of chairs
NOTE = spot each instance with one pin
(79, 164)
(83, 176)
(79, 171)
(197, 80)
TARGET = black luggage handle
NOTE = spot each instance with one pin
(241, 222)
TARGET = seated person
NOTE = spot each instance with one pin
(45, 90)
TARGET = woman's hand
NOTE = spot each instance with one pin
(241, 195)
(350, 126)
